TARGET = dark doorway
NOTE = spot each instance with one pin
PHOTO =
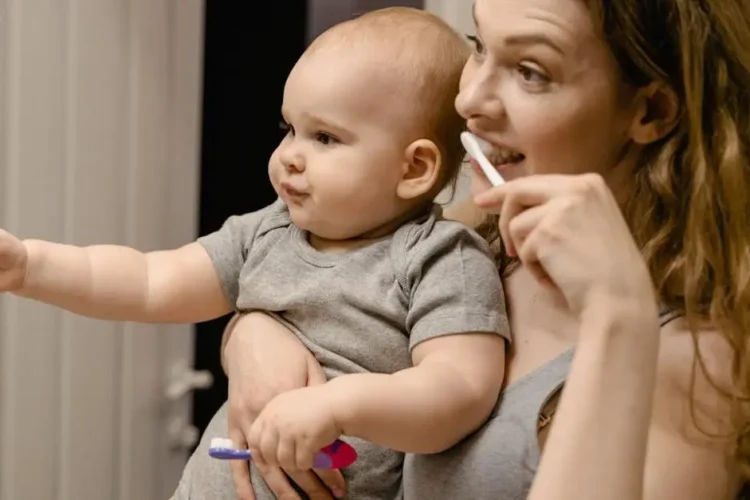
(248, 55)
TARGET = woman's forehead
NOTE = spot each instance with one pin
(564, 21)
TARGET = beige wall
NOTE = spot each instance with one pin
(456, 12)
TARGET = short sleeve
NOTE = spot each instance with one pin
(229, 246)
(453, 284)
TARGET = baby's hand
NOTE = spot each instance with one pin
(13, 260)
(293, 427)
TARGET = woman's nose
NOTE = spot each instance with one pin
(479, 98)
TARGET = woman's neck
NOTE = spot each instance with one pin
(542, 325)
(535, 306)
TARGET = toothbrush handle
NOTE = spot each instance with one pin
(337, 455)
(229, 454)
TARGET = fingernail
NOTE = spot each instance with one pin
(337, 493)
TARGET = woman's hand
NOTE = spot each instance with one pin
(263, 359)
(570, 233)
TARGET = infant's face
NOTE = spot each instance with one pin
(340, 163)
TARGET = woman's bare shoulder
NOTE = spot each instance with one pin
(689, 452)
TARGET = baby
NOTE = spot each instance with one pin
(403, 308)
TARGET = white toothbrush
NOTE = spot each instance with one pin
(471, 144)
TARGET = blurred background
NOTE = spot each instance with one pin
(146, 123)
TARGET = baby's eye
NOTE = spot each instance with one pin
(286, 127)
(326, 139)
(476, 43)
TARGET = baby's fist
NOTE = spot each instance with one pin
(13, 259)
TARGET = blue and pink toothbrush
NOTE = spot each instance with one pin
(336, 455)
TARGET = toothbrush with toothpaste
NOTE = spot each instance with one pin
(336, 455)
(473, 146)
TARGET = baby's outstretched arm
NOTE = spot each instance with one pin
(114, 282)
(448, 394)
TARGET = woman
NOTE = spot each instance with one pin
(624, 128)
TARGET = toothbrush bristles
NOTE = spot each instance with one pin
(222, 443)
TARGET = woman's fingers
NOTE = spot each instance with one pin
(517, 221)
(313, 485)
(333, 480)
(528, 191)
(240, 468)
(512, 199)
(278, 483)
(528, 254)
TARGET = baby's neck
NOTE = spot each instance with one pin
(369, 237)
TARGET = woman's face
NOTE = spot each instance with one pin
(543, 89)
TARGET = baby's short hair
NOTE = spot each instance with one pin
(428, 56)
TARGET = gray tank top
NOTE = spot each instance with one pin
(499, 461)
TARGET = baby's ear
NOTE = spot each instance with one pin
(421, 171)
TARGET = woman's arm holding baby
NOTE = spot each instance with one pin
(262, 358)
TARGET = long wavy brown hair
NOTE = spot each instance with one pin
(689, 209)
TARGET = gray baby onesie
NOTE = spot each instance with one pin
(358, 311)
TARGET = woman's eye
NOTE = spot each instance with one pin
(325, 139)
(476, 43)
(532, 75)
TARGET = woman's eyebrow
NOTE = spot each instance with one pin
(525, 39)
(533, 39)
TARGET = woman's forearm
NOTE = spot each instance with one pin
(597, 445)
(256, 323)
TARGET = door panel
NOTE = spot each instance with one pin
(99, 141)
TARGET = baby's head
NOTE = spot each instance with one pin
(373, 134)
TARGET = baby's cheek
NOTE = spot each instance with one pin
(273, 175)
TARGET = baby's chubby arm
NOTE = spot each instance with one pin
(114, 282)
(448, 394)
(457, 327)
